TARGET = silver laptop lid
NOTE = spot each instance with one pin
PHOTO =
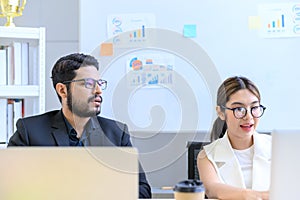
(69, 173)
(285, 167)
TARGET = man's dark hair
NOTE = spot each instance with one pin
(65, 68)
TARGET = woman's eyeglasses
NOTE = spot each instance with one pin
(241, 112)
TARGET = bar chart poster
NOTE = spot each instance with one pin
(150, 70)
(280, 20)
(128, 29)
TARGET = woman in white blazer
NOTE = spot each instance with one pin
(237, 164)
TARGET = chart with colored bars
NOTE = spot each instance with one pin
(137, 35)
(129, 30)
(280, 20)
(149, 72)
(276, 25)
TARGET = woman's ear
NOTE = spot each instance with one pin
(61, 90)
(220, 113)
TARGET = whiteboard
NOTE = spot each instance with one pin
(224, 44)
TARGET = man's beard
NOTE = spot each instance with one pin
(82, 110)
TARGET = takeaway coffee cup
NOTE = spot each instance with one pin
(189, 190)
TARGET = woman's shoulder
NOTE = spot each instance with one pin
(210, 149)
(202, 157)
(201, 154)
(216, 143)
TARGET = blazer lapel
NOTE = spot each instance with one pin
(96, 134)
(59, 130)
(261, 162)
(227, 164)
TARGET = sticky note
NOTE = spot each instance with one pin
(106, 49)
(190, 30)
(254, 22)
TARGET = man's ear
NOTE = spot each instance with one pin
(61, 90)
(220, 113)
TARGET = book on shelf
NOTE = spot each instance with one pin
(3, 120)
(25, 63)
(34, 69)
(14, 64)
(10, 117)
(3, 66)
(17, 63)
(18, 112)
(15, 111)
(10, 65)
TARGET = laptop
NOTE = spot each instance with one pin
(285, 167)
(69, 173)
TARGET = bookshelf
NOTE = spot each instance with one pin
(18, 82)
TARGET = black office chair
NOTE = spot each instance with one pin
(193, 149)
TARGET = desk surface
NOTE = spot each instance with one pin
(159, 193)
(164, 194)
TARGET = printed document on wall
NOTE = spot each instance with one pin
(135, 22)
(280, 20)
(150, 70)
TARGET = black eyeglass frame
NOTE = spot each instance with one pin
(102, 83)
(246, 111)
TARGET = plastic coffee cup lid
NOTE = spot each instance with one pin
(189, 186)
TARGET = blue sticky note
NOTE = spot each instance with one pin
(190, 30)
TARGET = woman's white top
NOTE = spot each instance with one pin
(245, 158)
(233, 172)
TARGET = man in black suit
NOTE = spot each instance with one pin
(77, 82)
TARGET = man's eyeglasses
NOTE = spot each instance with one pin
(90, 83)
(241, 112)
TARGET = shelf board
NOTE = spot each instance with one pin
(19, 32)
(19, 91)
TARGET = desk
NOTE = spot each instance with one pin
(164, 194)
(159, 193)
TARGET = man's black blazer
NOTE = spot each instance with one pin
(49, 129)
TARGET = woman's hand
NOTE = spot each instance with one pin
(255, 195)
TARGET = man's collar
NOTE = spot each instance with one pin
(68, 125)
